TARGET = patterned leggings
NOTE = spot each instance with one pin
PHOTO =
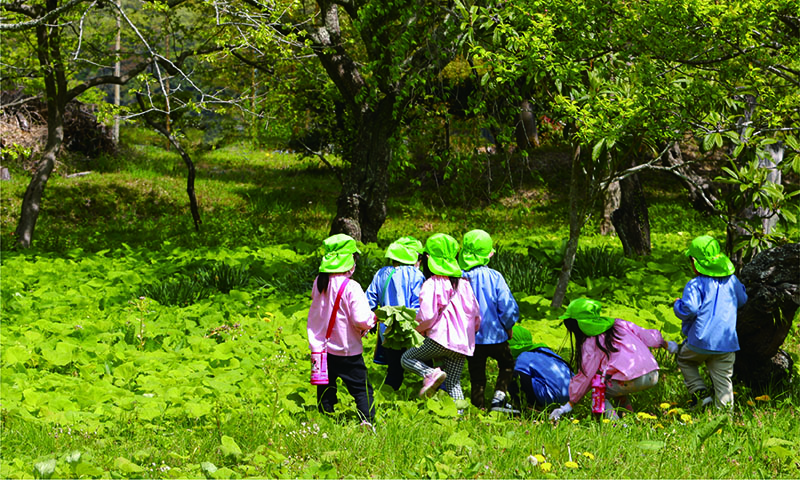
(452, 364)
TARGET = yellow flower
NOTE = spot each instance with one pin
(588, 455)
(763, 398)
(672, 411)
(751, 403)
(575, 420)
(539, 458)
(645, 416)
(665, 405)
(571, 465)
(546, 466)
(686, 418)
(606, 420)
(658, 425)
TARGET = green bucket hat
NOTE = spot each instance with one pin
(587, 313)
(405, 250)
(522, 341)
(339, 250)
(442, 250)
(476, 250)
(708, 257)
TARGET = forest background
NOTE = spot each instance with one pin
(154, 294)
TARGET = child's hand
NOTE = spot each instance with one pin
(672, 347)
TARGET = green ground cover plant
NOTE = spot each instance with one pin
(103, 378)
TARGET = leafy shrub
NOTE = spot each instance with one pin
(178, 291)
(224, 277)
(293, 278)
(596, 262)
(523, 272)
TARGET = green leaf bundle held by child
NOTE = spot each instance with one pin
(610, 353)
(396, 285)
(337, 320)
(708, 310)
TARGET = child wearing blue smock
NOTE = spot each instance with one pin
(499, 313)
(708, 310)
(397, 285)
(541, 377)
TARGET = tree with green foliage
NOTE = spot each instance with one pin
(380, 56)
(64, 51)
(621, 90)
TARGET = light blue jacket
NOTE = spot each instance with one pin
(499, 310)
(708, 311)
(402, 289)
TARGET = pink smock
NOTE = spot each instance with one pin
(632, 360)
(447, 316)
(353, 319)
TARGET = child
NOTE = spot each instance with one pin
(499, 313)
(708, 313)
(541, 377)
(352, 320)
(617, 350)
(397, 285)
(448, 317)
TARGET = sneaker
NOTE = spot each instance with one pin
(505, 407)
(699, 399)
(431, 382)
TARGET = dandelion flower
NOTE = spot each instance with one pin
(686, 418)
(645, 416)
(546, 466)
(571, 465)
(751, 403)
(665, 405)
(539, 458)
(588, 455)
(575, 420)
(763, 398)
(658, 425)
(533, 460)
(606, 420)
(674, 411)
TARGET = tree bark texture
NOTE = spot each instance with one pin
(631, 219)
(361, 206)
(772, 281)
(48, 50)
(577, 217)
(611, 202)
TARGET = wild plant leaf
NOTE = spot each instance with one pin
(652, 445)
(461, 438)
(704, 430)
(229, 447)
(45, 469)
(401, 325)
(126, 466)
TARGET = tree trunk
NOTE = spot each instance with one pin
(772, 281)
(631, 219)
(611, 202)
(361, 206)
(577, 217)
(48, 50)
(526, 131)
(701, 194)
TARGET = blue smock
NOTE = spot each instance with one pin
(708, 312)
(499, 310)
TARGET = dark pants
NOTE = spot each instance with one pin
(476, 365)
(394, 369)
(353, 373)
(526, 391)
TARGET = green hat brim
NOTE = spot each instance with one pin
(469, 260)
(443, 266)
(405, 250)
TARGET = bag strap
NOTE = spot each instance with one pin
(386, 287)
(335, 310)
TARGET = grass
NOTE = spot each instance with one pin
(217, 387)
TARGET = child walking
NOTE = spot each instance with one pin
(708, 312)
(397, 285)
(448, 317)
(499, 313)
(339, 316)
(541, 377)
(613, 352)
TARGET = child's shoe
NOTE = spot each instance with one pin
(431, 382)
(499, 404)
(699, 399)
(367, 426)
